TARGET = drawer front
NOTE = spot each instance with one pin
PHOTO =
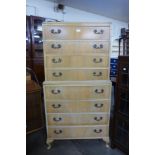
(77, 92)
(64, 47)
(98, 33)
(77, 61)
(75, 32)
(77, 119)
(77, 132)
(58, 32)
(76, 74)
(77, 106)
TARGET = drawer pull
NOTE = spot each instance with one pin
(56, 60)
(56, 46)
(56, 32)
(97, 47)
(98, 131)
(57, 131)
(97, 74)
(57, 119)
(98, 105)
(98, 32)
(97, 61)
(98, 119)
(55, 91)
(57, 74)
(56, 106)
(99, 91)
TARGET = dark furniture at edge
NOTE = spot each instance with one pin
(34, 109)
(120, 120)
(34, 46)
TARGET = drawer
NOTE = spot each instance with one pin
(78, 47)
(71, 132)
(98, 33)
(77, 119)
(51, 32)
(75, 106)
(53, 61)
(77, 92)
(70, 74)
(56, 32)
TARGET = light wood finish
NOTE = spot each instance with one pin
(69, 74)
(76, 106)
(76, 47)
(77, 92)
(59, 32)
(78, 83)
(75, 61)
(70, 132)
(76, 32)
(78, 119)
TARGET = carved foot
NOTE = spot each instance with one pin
(49, 144)
(107, 145)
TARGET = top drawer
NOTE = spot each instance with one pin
(69, 32)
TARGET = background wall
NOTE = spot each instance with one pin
(45, 8)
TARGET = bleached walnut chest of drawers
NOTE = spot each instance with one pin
(77, 89)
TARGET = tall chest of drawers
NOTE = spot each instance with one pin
(77, 89)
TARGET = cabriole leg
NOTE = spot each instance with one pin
(49, 144)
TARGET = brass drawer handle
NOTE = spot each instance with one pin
(57, 131)
(56, 46)
(57, 74)
(98, 32)
(97, 74)
(98, 105)
(99, 91)
(97, 61)
(55, 91)
(56, 32)
(57, 119)
(56, 106)
(56, 60)
(98, 119)
(97, 47)
(98, 131)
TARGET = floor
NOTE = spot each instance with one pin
(35, 145)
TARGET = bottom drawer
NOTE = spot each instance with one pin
(70, 132)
